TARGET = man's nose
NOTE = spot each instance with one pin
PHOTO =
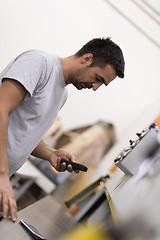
(95, 86)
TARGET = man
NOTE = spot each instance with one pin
(32, 91)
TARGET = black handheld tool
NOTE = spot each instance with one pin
(75, 166)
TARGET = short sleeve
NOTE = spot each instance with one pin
(27, 69)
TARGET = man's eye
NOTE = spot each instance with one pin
(101, 80)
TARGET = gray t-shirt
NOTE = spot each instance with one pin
(41, 74)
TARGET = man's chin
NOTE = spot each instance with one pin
(79, 87)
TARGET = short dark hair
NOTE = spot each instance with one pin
(104, 51)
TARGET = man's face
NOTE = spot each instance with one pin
(93, 77)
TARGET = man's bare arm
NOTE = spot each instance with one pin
(54, 156)
(11, 95)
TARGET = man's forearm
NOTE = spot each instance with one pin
(54, 156)
(3, 143)
(42, 151)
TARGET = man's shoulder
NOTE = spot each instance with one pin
(37, 53)
(36, 56)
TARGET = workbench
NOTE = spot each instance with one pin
(46, 215)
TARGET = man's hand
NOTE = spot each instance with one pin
(7, 199)
(56, 157)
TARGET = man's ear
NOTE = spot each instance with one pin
(87, 59)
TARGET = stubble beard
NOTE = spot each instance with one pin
(74, 79)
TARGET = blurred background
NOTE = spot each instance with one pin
(130, 104)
